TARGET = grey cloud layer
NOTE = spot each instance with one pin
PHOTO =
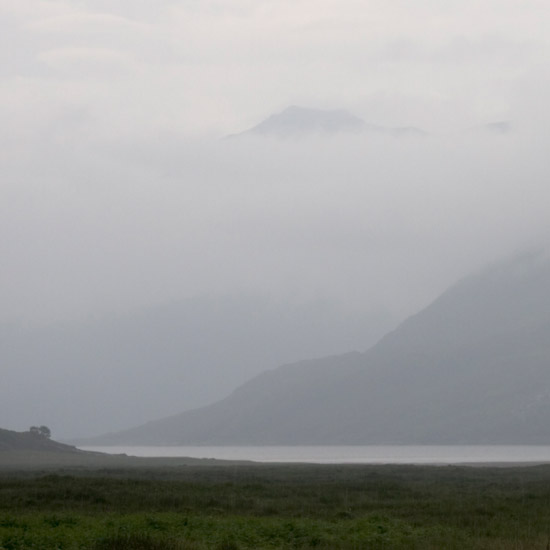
(214, 66)
(360, 220)
(110, 199)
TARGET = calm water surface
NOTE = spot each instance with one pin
(375, 454)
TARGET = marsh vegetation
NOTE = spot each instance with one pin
(292, 506)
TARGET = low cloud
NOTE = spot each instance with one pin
(117, 189)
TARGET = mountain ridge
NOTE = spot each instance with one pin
(85, 378)
(472, 367)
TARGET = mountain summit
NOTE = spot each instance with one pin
(300, 120)
(472, 368)
(297, 121)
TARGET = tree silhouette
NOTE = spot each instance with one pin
(43, 431)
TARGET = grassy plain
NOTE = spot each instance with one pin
(175, 506)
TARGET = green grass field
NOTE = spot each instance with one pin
(266, 507)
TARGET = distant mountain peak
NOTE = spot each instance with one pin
(297, 121)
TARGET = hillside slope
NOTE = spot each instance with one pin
(473, 367)
(88, 377)
(28, 441)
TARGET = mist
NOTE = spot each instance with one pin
(348, 219)
(119, 191)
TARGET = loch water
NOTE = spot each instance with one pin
(356, 454)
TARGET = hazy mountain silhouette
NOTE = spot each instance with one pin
(297, 121)
(473, 367)
(88, 377)
(501, 127)
(498, 128)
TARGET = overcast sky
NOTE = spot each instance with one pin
(116, 190)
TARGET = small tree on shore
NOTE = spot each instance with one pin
(43, 431)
